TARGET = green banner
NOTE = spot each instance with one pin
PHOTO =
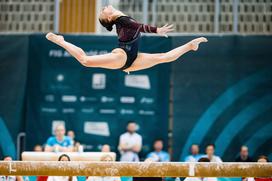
(95, 103)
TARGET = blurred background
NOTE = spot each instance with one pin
(221, 94)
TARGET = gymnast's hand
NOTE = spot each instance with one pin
(164, 30)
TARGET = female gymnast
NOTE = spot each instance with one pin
(126, 57)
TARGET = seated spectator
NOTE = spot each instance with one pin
(77, 147)
(261, 159)
(71, 134)
(204, 159)
(106, 148)
(148, 160)
(38, 148)
(130, 144)
(10, 178)
(244, 156)
(63, 158)
(59, 142)
(158, 154)
(194, 157)
(104, 158)
(210, 149)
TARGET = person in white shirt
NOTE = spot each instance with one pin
(203, 159)
(10, 177)
(64, 158)
(130, 144)
(104, 158)
(210, 149)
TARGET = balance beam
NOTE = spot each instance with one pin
(140, 169)
(74, 156)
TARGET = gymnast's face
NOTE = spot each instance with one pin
(64, 159)
(107, 13)
(262, 160)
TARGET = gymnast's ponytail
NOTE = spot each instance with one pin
(108, 25)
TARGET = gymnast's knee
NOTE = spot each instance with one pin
(83, 60)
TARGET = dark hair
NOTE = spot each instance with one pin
(107, 24)
(64, 155)
(204, 159)
(263, 157)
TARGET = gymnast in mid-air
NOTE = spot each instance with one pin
(126, 57)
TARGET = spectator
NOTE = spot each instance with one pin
(10, 178)
(106, 148)
(59, 142)
(77, 147)
(63, 158)
(72, 135)
(104, 158)
(210, 149)
(261, 159)
(130, 144)
(148, 160)
(158, 154)
(38, 148)
(203, 159)
(195, 156)
(244, 157)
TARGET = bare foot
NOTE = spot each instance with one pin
(54, 38)
(195, 42)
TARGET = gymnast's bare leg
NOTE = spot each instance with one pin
(113, 60)
(146, 60)
(117, 58)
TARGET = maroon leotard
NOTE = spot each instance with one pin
(129, 31)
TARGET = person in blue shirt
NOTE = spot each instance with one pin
(158, 154)
(195, 156)
(59, 142)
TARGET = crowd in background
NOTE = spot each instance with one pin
(130, 145)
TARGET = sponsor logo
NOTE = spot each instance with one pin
(126, 111)
(99, 81)
(87, 110)
(68, 98)
(87, 99)
(49, 98)
(68, 110)
(60, 77)
(49, 110)
(146, 112)
(55, 53)
(127, 100)
(137, 81)
(146, 100)
(107, 111)
(105, 99)
(97, 128)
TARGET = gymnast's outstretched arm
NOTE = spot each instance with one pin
(146, 28)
